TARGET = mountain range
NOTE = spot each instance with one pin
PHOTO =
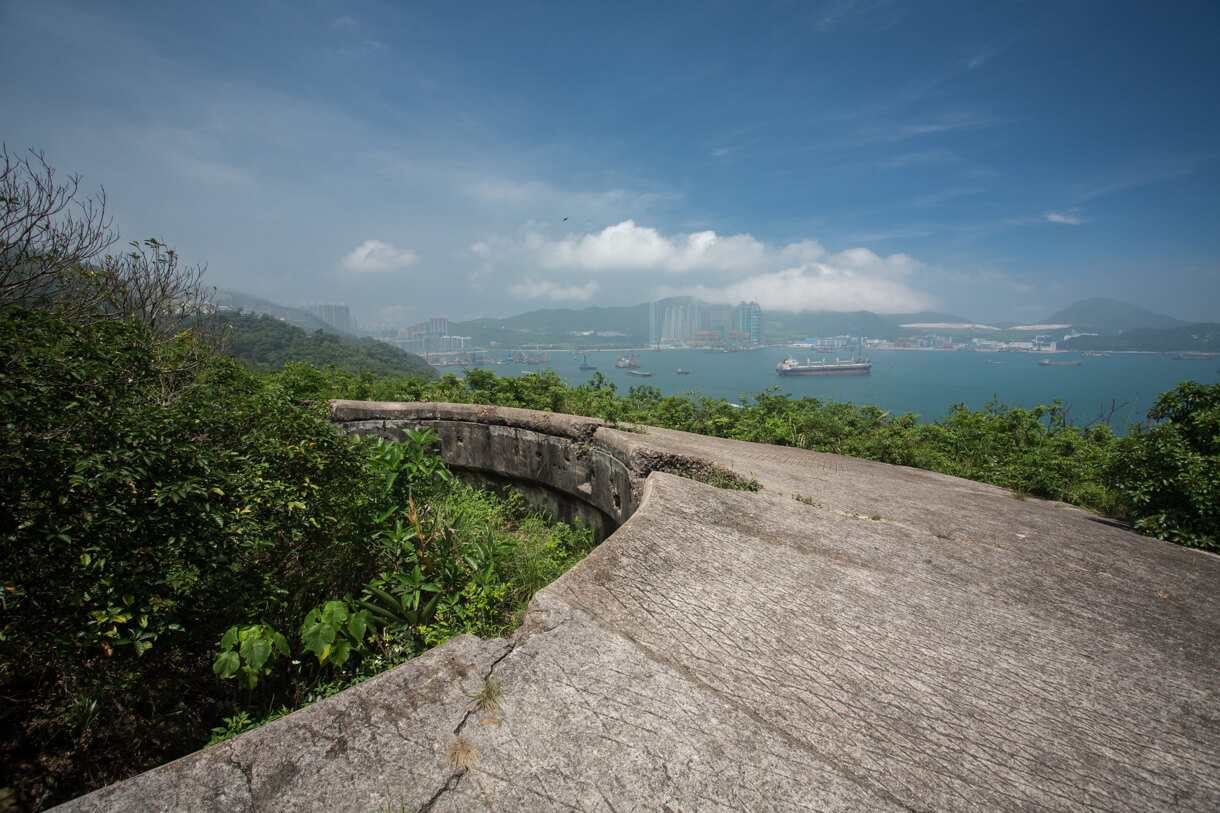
(630, 324)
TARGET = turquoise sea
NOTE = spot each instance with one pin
(924, 382)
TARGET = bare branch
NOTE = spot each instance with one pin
(47, 229)
(53, 256)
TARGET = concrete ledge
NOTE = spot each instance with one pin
(563, 462)
(854, 637)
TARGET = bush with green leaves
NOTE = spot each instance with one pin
(152, 495)
(1168, 473)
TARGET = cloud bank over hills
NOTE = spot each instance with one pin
(800, 275)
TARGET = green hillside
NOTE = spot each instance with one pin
(559, 327)
(236, 301)
(263, 342)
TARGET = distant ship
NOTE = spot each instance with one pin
(1049, 363)
(640, 373)
(681, 371)
(1192, 357)
(585, 365)
(627, 361)
(823, 367)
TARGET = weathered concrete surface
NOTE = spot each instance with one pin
(893, 639)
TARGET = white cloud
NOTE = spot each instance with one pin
(794, 276)
(627, 246)
(375, 255)
(856, 279)
(532, 288)
(1056, 217)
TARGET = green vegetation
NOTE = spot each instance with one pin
(263, 342)
(170, 518)
(1167, 476)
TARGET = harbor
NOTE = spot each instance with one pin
(1121, 386)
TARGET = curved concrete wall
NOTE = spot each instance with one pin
(555, 462)
(575, 467)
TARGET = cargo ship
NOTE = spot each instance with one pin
(823, 367)
(627, 362)
(1049, 363)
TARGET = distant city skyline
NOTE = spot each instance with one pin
(996, 161)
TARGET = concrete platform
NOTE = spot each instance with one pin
(855, 636)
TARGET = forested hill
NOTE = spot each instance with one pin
(265, 343)
(1199, 338)
(1099, 315)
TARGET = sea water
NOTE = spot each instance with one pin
(1120, 387)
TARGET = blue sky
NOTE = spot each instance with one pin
(995, 160)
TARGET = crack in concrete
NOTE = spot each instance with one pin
(455, 777)
(449, 785)
(245, 772)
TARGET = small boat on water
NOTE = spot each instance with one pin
(681, 371)
(857, 366)
(1049, 363)
(640, 373)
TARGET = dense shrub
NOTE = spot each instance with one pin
(147, 505)
(1168, 473)
(169, 518)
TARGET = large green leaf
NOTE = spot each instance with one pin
(226, 664)
(317, 637)
(255, 652)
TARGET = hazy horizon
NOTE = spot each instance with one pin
(994, 161)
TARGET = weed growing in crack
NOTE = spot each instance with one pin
(720, 477)
(462, 754)
(488, 699)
